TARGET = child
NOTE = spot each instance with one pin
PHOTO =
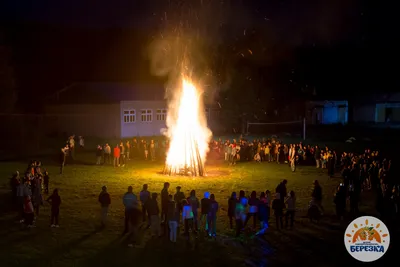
(55, 202)
(291, 208)
(28, 212)
(277, 206)
(46, 180)
(212, 216)
(231, 208)
(257, 157)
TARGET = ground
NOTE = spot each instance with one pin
(80, 242)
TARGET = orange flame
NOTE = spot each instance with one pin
(187, 131)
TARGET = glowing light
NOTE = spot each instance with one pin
(187, 131)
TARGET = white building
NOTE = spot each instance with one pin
(110, 110)
(142, 118)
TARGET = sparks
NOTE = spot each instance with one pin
(188, 132)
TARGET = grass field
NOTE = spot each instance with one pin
(79, 242)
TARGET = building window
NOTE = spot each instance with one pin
(129, 116)
(147, 115)
(161, 114)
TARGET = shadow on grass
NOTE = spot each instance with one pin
(50, 256)
(7, 203)
(161, 252)
(14, 238)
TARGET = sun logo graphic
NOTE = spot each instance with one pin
(367, 239)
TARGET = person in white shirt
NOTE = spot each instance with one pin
(81, 142)
(107, 154)
(233, 154)
(291, 208)
(72, 147)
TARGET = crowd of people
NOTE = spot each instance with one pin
(28, 195)
(199, 216)
(359, 172)
(177, 210)
(117, 155)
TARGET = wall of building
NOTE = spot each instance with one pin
(132, 124)
(364, 113)
(387, 112)
(328, 112)
(86, 120)
(150, 124)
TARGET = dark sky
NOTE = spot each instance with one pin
(67, 41)
(75, 13)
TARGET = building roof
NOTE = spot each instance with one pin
(107, 93)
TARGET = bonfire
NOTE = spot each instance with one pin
(188, 133)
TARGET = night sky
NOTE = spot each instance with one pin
(342, 45)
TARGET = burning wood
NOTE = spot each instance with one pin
(188, 133)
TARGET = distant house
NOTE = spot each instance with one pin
(109, 110)
(327, 112)
(377, 108)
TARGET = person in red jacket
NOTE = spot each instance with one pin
(117, 154)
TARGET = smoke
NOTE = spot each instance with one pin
(189, 42)
(205, 39)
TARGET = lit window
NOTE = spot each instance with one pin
(147, 115)
(161, 114)
(129, 116)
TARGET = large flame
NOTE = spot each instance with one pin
(187, 131)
